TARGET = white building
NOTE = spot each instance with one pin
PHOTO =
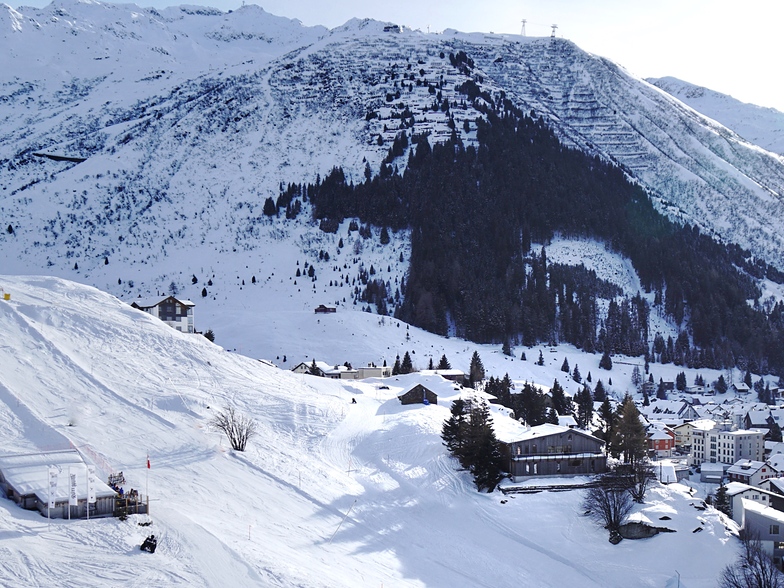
(727, 447)
(172, 311)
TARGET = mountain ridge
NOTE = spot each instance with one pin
(180, 161)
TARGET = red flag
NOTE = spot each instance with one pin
(148, 462)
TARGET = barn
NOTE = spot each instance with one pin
(418, 394)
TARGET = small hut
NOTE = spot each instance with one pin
(419, 394)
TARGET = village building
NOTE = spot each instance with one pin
(26, 479)
(740, 388)
(418, 394)
(341, 372)
(172, 311)
(719, 445)
(738, 491)
(322, 309)
(452, 375)
(552, 450)
(683, 433)
(751, 472)
(767, 524)
(661, 439)
(373, 371)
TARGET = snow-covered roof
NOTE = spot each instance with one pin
(766, 511)
(29, 474)
(745, 467)
(567, 421)
(150, 302)
(776, 461)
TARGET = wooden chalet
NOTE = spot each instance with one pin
(419, 394)
(554, 450)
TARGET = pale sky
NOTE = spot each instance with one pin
(733, 47)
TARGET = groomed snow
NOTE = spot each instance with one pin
(328, 494)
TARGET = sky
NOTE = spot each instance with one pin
(728, 46)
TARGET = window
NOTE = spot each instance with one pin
(774, 529)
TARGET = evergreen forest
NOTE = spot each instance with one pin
(474, 213)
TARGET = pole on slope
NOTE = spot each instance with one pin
(342, 521)
(147, 484)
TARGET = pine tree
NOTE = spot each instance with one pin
(747, 378)
(561, 404)
(576, 374)
(680, 381)
(476, 372)
(636, 377)
(565, 366)
(629, 437)
(552, 416)
(444, 363)
(605, 362)
(430, 365)
(775, 431)
(453, 432)
(396, 367)
(584, 408)
(269, 207)
(607, 415)
(487, 461)
(540, 361)
(721, 385)
(599, 393)
(722, 501)
(506, 348)
(406, 366)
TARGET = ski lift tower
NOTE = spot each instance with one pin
(522, 31)
(552, 35)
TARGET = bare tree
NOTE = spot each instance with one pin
(642, 476)
(753, 569)
(238, 427)
(609, 505)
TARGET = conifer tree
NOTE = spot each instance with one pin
(540, 361)
(607, 415)
(396, 366)
(576, 374)
(599, 393)
(722, 501)
(487, 462)
(584, 408)
(453, 432)
(476, 372)
(444, 363)
(406, 366)
(565, 366)
(605, 362)
(561, 404)
(629, 436)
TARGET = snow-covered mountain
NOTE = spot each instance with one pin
(329, 493)
(137, 146)
(757, 124)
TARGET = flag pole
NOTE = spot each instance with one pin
(147, 484)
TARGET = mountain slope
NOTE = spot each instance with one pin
(188, 119)
(759, 125)
(328, 494)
